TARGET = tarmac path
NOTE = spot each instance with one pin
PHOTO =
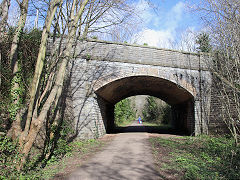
(127, 157)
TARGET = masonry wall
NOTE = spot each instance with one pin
(100, 63)
(216, 123)
(136, 54)
(216, 126)
(90, 111)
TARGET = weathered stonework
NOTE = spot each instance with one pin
(104, 73)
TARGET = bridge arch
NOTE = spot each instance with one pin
(101, 67)
(111, 91)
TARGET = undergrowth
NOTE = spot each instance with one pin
(201, 157)
(124, 113)
(9, 159)
(58, 164)
(154, 112)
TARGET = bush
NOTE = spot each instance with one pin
(27, 55)
(123, 112)
(9, 158)
(155, 113)
(151, 111)
(166, 114)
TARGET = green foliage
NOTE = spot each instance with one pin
(88, 57)
(12, 97)
(62, 149)
(94, 37)
(62, 144)
(57, 163)
(55, 149)
(9, 158)
(203, 42)
(84, 145)
(56, 144)
(124, 113)
(27, 55)
(159, 114)
(28, 52)
(16, 96)
(151, 111)
(145, 44)
(166, 114)
(203, 157)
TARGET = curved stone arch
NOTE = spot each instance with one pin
(99, 64)
(90, 77)
(112, 90)
(180, 83)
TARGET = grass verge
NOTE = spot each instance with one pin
(59, 168)
(166, 126)
(125, 123)
(201, 157)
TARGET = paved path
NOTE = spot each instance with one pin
(128, 156)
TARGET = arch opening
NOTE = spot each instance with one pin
(180, 100)
(155, 115)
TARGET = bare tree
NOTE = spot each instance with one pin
(21, 23)
(29, 134)
(4, 7)
(222, 18)
(15, 97)
(73, 20)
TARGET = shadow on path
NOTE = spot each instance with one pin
(135, 127)
(127, 157)
(123, 168)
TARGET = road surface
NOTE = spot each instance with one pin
(128, 156)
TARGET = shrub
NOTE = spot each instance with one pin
(9, 158)
(153, 112)
(123, 112)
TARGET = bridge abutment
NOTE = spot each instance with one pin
(105, 73)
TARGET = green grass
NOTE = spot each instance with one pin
(201, 157)
(124, 123)
(55, 165)
(156, 125)
(79, 148)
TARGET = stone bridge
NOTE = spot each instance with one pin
(103, 73)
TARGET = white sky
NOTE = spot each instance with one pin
(169, 26)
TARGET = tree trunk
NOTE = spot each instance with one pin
(39, 66)
(16, 127)
(4, 7)
(57, 89)
(17, 35)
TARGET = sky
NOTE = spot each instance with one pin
(168, 25)
(165, 24)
